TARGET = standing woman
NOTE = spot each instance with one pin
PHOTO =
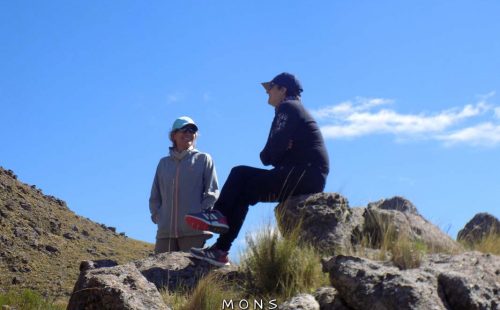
(185, 182)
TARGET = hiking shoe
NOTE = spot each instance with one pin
(211, 220)
(211, 255)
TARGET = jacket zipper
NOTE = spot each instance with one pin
(176, 201)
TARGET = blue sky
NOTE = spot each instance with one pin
(406, 94)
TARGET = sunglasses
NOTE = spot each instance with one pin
(187, 129)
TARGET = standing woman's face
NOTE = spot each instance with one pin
(184, 138)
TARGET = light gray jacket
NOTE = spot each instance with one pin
(184, 182)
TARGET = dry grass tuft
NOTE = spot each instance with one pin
(279, 267)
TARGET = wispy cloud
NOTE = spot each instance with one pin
(207, 97)
(174, 97)
(497, 112)
(485, 134)
(368, 116)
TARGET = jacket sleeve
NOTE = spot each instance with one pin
(281, 134)
(210, 184)
(155, 196)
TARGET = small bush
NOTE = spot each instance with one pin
(27, 300)
(407, 254)
(280, 267)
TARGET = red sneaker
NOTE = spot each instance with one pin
(210, 220)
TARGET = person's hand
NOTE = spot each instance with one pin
(154, 218)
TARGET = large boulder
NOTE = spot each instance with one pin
(399, 216)
(466, 281)
(117, 287)
(136, 285)
(480, 226)
(324, 219)
(179, 269)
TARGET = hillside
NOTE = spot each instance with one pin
(42, 242)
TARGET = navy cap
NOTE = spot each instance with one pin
(287, 80)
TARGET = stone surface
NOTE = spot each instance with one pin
(302, 302)
(481, 225)
(117, 287)
(329, 299)
(178, 269)
(325, 220)
(402, 217)
(466, 281)
(136, 284)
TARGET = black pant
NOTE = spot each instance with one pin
(246, 186)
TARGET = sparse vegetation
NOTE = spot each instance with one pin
(278, 266)
(488, 244)
(396, 245)
(28, 300)
(43, 241)
(276, 269)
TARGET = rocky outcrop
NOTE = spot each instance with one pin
(480, 226)
(178, 269)
(400, 215)
(466, 281)
(106, 285)
(327, 221)
(440, 281)
(117, 287)
(324, 219)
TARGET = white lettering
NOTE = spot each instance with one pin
(272, 302)
(257, 303)
(244, 302)
(228, 304)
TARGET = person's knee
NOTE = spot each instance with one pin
(238, 170)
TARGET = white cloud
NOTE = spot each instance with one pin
(497, 112)
(348, 107)
(174, 97)
(365, 117)
(485, 134)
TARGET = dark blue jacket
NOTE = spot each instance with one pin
(293, 125)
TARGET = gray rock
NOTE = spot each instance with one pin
(325, 220)
(465, 281)
(55, 226)
(366, 284)
(51, 249)
(103, 283)
(400, 215)
(481, 225)
(118, 287)
(470, 280)
(26, 206)
(70, 236)
(302, 302)
(329, 299)
(179, 269)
